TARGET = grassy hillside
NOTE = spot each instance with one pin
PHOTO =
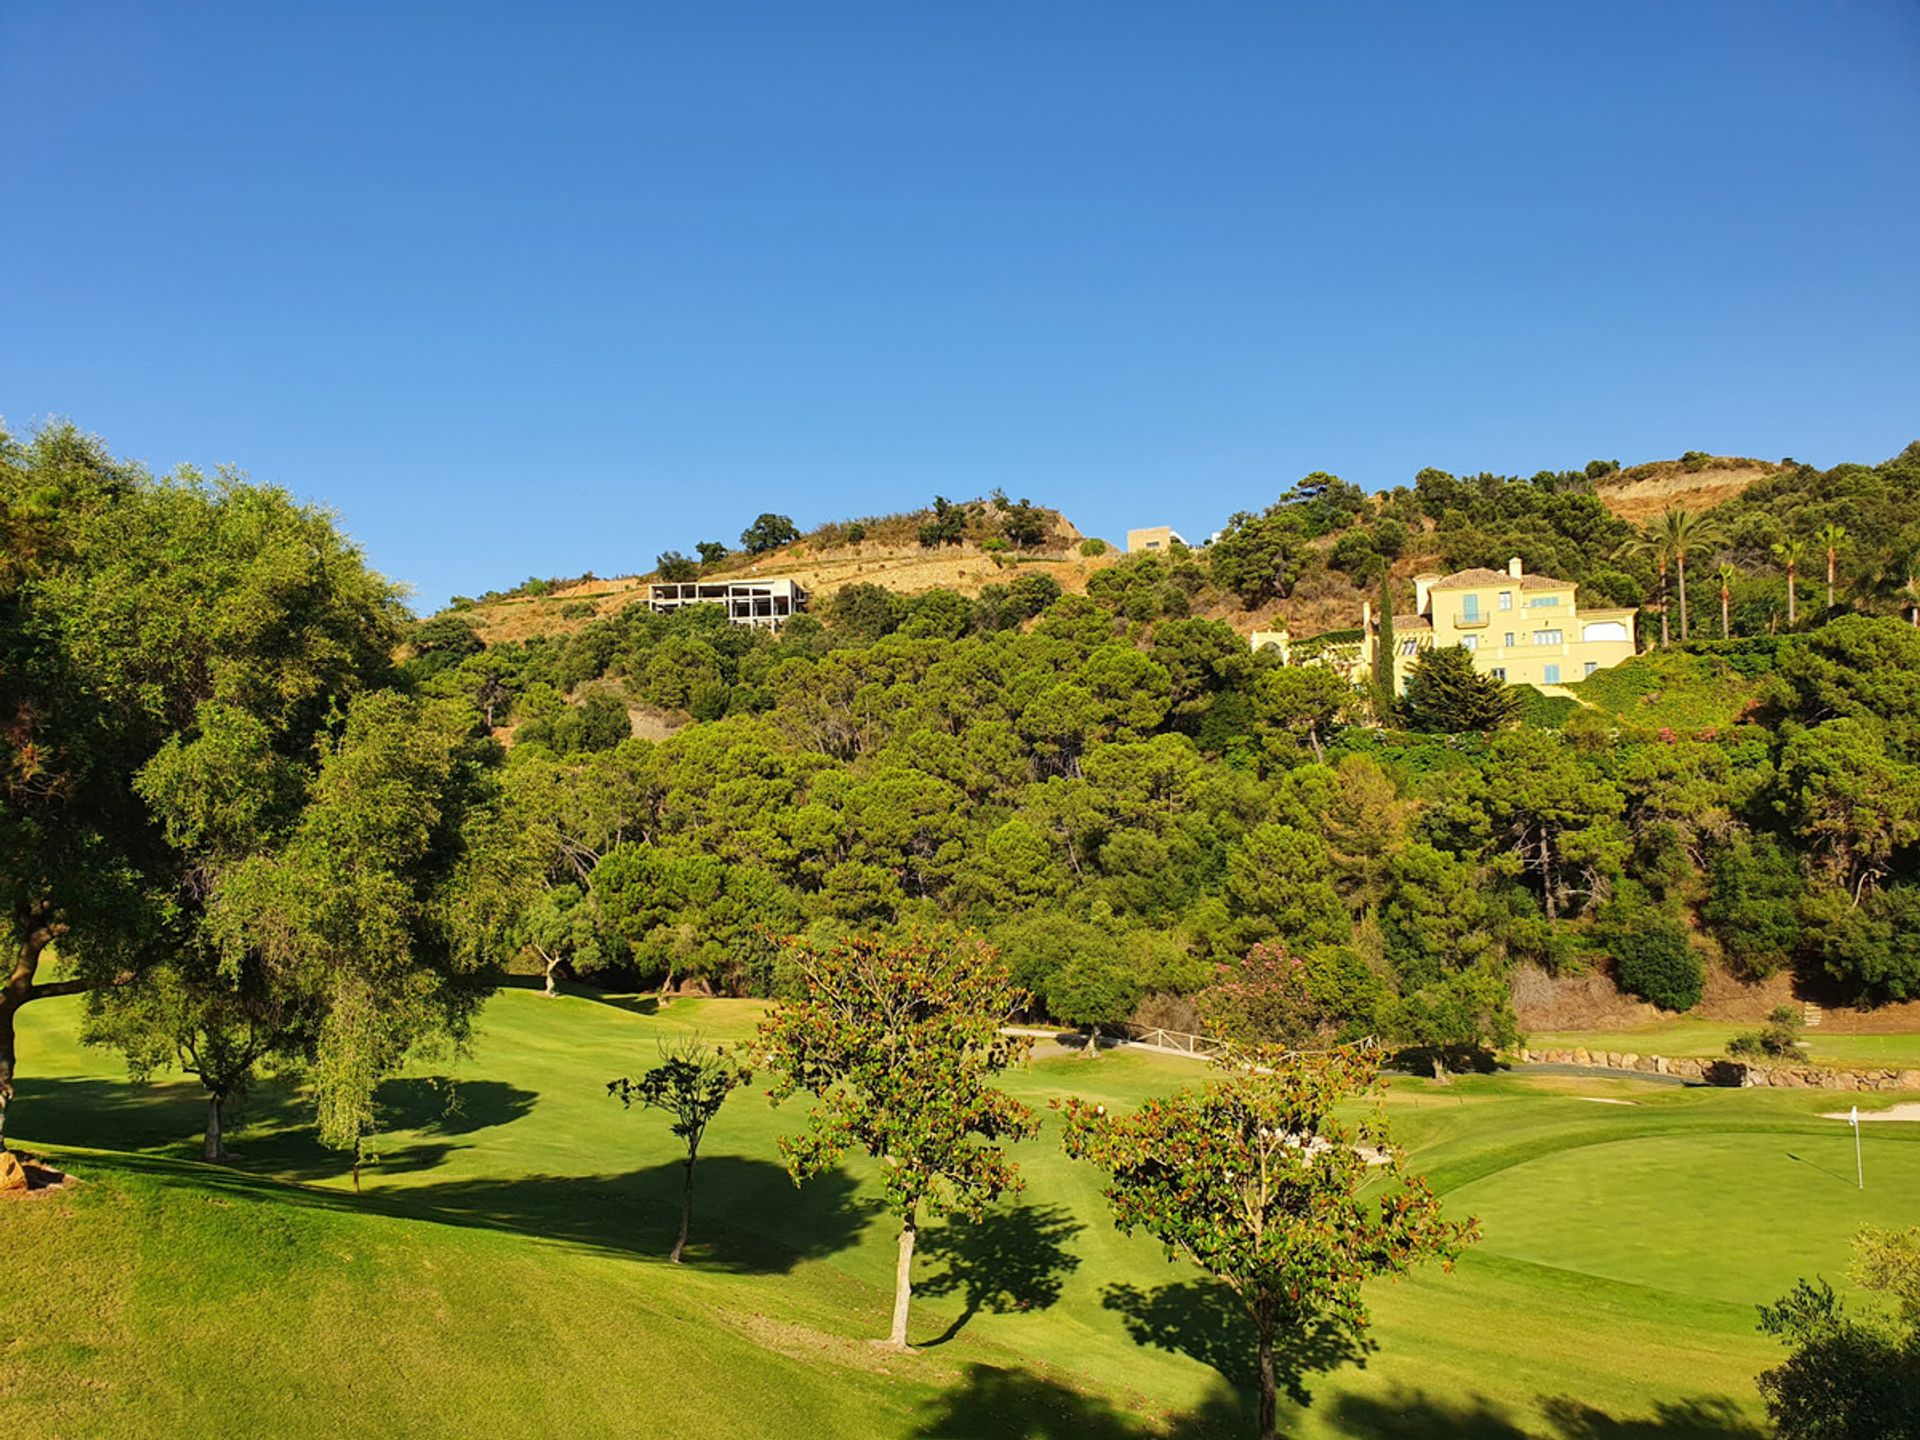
(500, 1272)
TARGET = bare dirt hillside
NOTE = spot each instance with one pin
(902, 565)
(1643, 491)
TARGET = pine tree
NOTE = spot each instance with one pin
(1445, 693)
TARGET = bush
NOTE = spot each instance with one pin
(1780, 1037)
(1653, 958)
(1093, 546)
(854, 533)
(577, 610)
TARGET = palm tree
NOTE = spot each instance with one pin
(1788, 553)
(1910, 598)
(1652, 543)
(1681, 530)
(1728, 574)
(1831, 538)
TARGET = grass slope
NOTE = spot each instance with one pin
(500, 1272)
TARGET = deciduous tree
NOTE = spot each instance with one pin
(898, 1042)
(1258, 1180)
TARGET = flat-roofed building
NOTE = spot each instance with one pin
(1157, 538)
(765, 603)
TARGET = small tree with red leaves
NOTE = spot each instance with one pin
(1254, 1179)
(897, 1041)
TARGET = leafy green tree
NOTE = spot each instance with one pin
(133, 612)
(1461, 1014)
(564, 928)
(1259, 557)
(374, 911)
(1853, 805)
(1752, 903)
(712, 552)
(672, 565)
(1547, 813)
(898, 1043)
(1652, 956)
(1446, 693)
(768, 532)
(1851, 1376)
(1258, 1180)
(1296, 702)
(691, 1083)
(1096, 987)
(1279, 882)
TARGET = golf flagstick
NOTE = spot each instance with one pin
(1859, 1168)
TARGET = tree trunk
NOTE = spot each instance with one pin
(1664, 639)
(903, 1284)
(1830, 579)
(686, 1213)
(1792, 611)
(8, 1005)
(1726, 627)
(212, 1149)
(553, 969)
(1439, 1063)
(1680, 566)
(1269, 1393)
(660, 1000)
(1092, 1050)
(1546, 877)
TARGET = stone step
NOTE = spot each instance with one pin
(1811, 1015)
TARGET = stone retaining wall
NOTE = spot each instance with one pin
(1731, 1072)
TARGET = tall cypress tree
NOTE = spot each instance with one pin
(1383, 654)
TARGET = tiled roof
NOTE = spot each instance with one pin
(1462, 579)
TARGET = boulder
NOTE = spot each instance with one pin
(1907, 1080)
(13, 1175)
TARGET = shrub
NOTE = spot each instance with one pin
(855, 533)
(1093, 546)
(1780, 1037)
(1652, 958)
(576, 610)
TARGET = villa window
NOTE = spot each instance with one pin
(1592, 665)
(1553, 675)
(1547, 637)
(1500, 672)
(1542, 600)
(1470, 642)
(1506, 599)
(1509, 639)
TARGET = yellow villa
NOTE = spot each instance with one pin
(1524, 629)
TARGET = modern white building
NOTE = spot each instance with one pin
(764, 603)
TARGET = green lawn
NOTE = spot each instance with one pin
(1705, 1038)
(499, 1275)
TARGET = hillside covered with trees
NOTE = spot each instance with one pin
(261, 818)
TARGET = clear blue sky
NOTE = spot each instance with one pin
(547, 288)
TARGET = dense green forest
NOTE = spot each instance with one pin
(262, 817)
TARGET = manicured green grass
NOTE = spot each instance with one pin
(500, 1272)
(1704, 1038)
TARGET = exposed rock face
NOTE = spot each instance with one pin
(13, 1175)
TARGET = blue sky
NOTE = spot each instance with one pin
(539, 289)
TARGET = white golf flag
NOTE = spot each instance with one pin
(1854, 1118)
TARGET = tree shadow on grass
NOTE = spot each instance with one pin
(1403, 1414)
(998, 1404)
(1205, 1320)
(752, 1221)
(1013, 1260)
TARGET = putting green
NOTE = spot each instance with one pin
(1719, 1216)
